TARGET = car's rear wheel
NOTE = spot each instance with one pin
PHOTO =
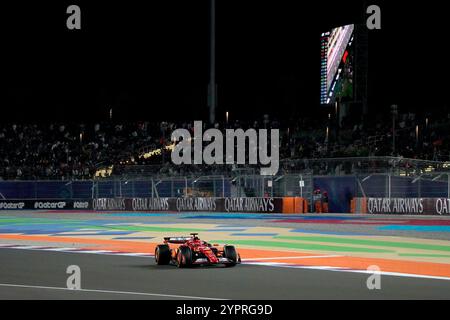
(230, 253)
(184, 257)
(162, 254)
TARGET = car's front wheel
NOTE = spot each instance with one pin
(184, 257)
(230, 253)
(162, 254)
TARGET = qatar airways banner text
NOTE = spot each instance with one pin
(411, 206)
(192, 204)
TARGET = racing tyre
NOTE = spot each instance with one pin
(230, 253)
(162, 254)
(184, 257)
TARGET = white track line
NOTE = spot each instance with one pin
(131, 254)
(54, 249)
(286, 258)
(96, 251)
(344, 269)
(245, 261)
(108, 291)
(396, 274)
(34, 247)
(78, 250)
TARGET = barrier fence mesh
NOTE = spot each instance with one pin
(202, 186)
(343, 179)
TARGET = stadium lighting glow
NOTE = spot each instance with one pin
(157, 152)
(429, 169)
(104, 172)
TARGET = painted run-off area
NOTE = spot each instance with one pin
(257, 242)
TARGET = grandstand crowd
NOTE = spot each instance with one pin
(68, 151)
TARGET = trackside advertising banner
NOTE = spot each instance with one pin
(405, 206)
(194, 204)
(43, 204)
(411, 206)
(251, 205)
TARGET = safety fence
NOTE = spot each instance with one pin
(172, 187)
(342, 191)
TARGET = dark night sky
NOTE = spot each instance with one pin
(151, 61)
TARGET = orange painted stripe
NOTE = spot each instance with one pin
(103, 244)
(386, 265)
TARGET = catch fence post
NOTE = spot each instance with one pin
(448, 185)
(389, 186)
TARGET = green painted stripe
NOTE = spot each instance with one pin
(425, 255)
(303, 246)
(376, 243)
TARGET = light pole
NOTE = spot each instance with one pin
(394, 111)
(212, 94)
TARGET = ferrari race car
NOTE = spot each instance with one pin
(189, 251)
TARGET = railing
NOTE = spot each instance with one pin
(341, 189)
(324, 166)
(166, 187)
(427, 185)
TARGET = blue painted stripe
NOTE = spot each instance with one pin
(226, 230)
(415, 228)
(348, 217)
(261, 216)
(330, 232)
(136, 214)
(254, 234)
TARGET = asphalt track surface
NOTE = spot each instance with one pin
(28, 274)
(421, 242)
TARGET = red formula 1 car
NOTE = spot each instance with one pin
(190, 251)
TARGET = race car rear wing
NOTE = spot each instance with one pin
(176, 239)
(180, 239)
